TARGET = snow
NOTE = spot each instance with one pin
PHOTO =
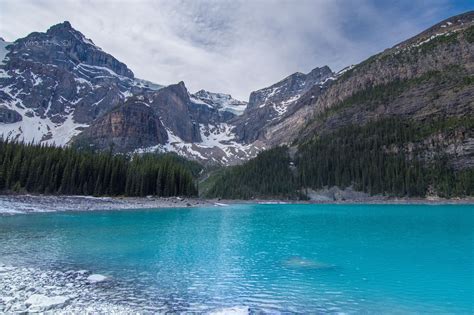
(216, 135)
(218, 141)
(147, 84)
(97, 71)
(344, 70)
(282, 107)
(36, 80)
(62, 134)
(429, 39)
(220, 101)
(32, 129)
(82, 81)
(88, 41)
(4, 74)
(126, 94)
(196, 100)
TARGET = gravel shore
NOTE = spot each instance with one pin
(13, 204)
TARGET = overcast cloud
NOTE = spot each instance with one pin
(231, 46)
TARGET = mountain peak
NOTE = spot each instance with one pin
(61, 26)
(289, 89)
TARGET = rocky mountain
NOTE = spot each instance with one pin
(169, 120)
(59, 87)
(270, 105)
(54, 84)
(444, 48)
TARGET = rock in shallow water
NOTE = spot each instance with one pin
(236, 310)
(41, 303)
(96, 278)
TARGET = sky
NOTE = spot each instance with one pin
(233, 46)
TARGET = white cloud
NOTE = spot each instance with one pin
(227, 46)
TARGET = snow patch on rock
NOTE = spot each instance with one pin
(220, 101)
(218, 146)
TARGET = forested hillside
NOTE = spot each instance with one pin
(268, 175)
(386, 157)
(53, 170)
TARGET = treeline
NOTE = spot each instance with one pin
(375, 158)
(53, 170)
(267, 175)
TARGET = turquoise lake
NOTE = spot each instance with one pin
(271, 258)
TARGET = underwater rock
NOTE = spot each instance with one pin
(235, 310)
(96, 278)
(41, 303)
(299, 262)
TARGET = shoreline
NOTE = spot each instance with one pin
(29, 203)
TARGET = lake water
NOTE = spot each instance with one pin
(270, 258)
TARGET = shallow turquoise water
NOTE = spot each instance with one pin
(294, 258)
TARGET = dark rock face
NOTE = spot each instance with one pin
(273, 104)
(9, 116)
(294, 85)
(66, 48)
(132, 125)
(172, 106)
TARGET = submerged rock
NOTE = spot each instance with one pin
(41, 303)
(96, 278)
(299, 262)
(235, 310)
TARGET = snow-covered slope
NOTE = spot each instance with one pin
(219, 145)
(223, 102)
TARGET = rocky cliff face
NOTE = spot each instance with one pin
(132, 125)
(271, 105)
